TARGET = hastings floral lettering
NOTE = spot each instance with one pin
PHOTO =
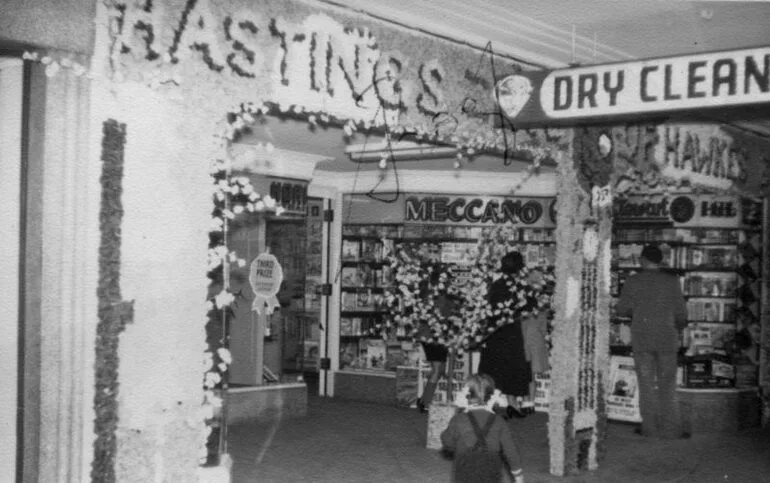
(328, 67)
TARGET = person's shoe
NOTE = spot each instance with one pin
(421, 406)
(686, 435)
(638, 430)
(512, 411)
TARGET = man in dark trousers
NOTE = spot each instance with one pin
(653, 300)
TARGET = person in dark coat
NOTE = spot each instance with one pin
(502, 355)
(653, 300)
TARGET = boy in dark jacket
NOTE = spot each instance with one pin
(480, 440)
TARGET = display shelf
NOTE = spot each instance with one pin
(719, 271)
(368, 372)
(348, 288)
(366, 276)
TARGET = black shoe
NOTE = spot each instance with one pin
(638, 431)
(686, 435)
(512, 411)
(421, 406)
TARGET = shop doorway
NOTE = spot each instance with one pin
(293, 335)
(297, 244)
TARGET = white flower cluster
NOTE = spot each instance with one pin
(424, 287)
(54, 66)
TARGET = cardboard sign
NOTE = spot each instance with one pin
(623, 391)
(265, 277)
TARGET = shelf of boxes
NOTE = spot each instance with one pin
(719, 271)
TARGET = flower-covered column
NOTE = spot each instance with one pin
(580, 352)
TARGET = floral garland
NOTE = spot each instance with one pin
(114, 313)
(424, 286)
(234, 199)
(53, 65)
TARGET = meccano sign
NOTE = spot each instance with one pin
(683, 83)
(481, 210)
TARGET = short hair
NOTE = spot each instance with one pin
(480, 388)
(512, 262)
(652, 253)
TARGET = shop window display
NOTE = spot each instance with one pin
(719, 268)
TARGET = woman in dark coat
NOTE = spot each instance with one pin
(502, 356)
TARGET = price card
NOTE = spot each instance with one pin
(601, 196)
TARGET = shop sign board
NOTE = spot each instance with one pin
(481, 210)
(290, 194)
(679, 211)
(623, 393)
(609, 92)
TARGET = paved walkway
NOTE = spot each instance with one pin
(345, 441)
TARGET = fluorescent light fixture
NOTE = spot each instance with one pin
(397, 151)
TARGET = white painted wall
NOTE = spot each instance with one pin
(10, 191)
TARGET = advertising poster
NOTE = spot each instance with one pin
(623, 391)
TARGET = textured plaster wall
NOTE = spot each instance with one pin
(167, 203)
(63, 24)
(165, 237)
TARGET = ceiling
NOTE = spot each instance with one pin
(555, 33)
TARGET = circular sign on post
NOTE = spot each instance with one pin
(265, 277)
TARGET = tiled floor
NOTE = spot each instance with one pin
(345, 441)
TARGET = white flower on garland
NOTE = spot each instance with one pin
(224, 299)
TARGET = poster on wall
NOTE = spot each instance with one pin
(623, 391)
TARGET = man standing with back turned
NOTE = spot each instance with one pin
(653, 299)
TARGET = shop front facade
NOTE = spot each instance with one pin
(206, 136)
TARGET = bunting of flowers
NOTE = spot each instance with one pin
(425, 288)
(234, 199)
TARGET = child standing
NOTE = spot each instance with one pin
(480, 440)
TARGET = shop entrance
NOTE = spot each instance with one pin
(292, 336)
(297, 244)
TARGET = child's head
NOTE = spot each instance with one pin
(480, 388)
